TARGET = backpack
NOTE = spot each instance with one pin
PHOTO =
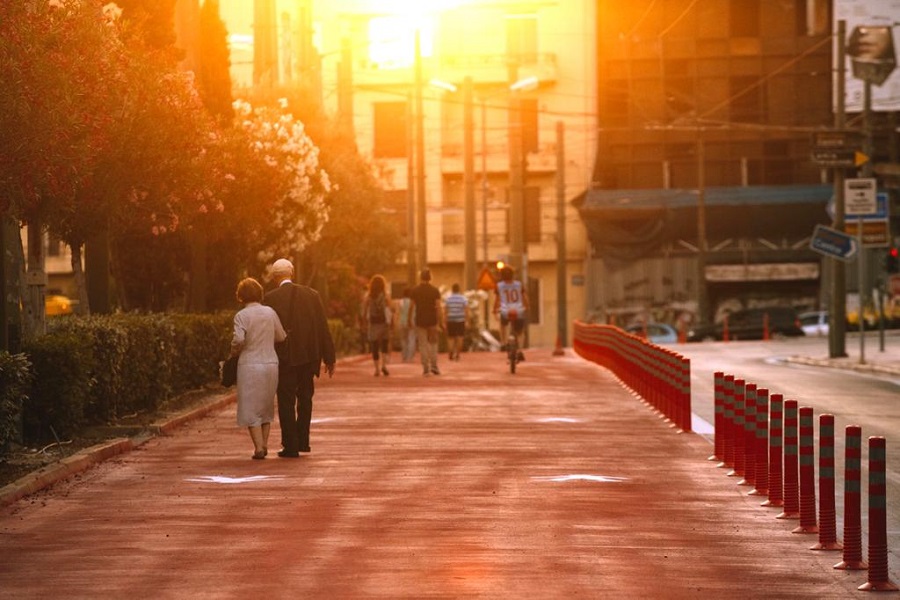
(376, 310)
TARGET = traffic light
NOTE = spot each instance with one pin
(892, 261)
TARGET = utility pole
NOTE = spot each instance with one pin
(838, 309)
(702, 295)
(469, 184)
(561, 277)
(516, 179)
(410, 196)
(422, 220)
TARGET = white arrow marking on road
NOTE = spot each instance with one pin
(232, 480)
(580, 477)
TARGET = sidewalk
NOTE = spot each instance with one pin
(874, 359)
(554, 482)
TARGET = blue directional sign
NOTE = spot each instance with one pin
(832, 242)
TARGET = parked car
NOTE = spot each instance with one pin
(814, 322)
(57, 304)
(749, 324)
(658, 333)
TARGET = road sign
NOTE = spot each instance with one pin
(486, 280)
(876, 226)
(859, 197)
(832, 242)
(838, 149)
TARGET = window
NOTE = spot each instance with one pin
(744, 19)
(746, 100)
(390, 130)
(521, 38)
(396, 207)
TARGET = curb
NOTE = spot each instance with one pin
(85, 459)
(878, 369)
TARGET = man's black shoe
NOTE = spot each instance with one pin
(286, 454)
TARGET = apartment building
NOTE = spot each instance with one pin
(705, 195)
(481, 115)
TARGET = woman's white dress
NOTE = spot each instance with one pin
(256, 329)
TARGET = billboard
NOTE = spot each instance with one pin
(872, 29)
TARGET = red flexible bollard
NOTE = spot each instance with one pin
(738, 467)
(749, 435)
(776, 469)
(728, 459)
(719, 423)
(852, 556)
(827, 512)
(761, 444)
(878, 552)
(807, 473)
(791, 480)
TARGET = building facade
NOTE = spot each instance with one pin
(704, 195)
(481, 117)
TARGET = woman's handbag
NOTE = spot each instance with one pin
(229, 371)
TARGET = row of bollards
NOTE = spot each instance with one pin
(768, 442)
(658, 375)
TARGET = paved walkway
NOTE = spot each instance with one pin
(555, 482)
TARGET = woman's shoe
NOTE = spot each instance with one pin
(385, 371)
(259, 455)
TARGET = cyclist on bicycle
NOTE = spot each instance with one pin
(511, 297)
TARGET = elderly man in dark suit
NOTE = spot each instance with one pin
(300, 357)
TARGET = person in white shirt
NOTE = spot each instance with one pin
(511, 298)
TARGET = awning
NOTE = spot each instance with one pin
(629, 223)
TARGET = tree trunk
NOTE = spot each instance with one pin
(96, 254)
(35, 281)
(83, 306)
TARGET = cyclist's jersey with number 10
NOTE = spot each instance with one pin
(510, 293)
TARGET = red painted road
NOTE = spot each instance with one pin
(550, 483)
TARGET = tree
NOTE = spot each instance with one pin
(213, 76)
(357, 235)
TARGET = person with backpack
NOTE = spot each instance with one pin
(379, 317)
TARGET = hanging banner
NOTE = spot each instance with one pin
(872, 46)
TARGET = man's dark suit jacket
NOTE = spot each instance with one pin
(308, 340)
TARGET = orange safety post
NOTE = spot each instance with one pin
(766, 326)
(776, 430)
(749, 435)
(719, 422)
(761, 445)
(807, 473)
(725, 329)
(852, 558)
(827, 512)
(878, 551)
(728, 458)
(738, 467)
(791, 484)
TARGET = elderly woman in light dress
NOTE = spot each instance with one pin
(256, 330)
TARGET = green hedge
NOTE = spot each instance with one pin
(93, 370)
(15, 381)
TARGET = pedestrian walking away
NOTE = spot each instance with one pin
(457, 311)
(256, 330)
(379, 321)
(426, 300)
(300, 356)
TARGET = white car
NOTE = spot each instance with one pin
(814, 322)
